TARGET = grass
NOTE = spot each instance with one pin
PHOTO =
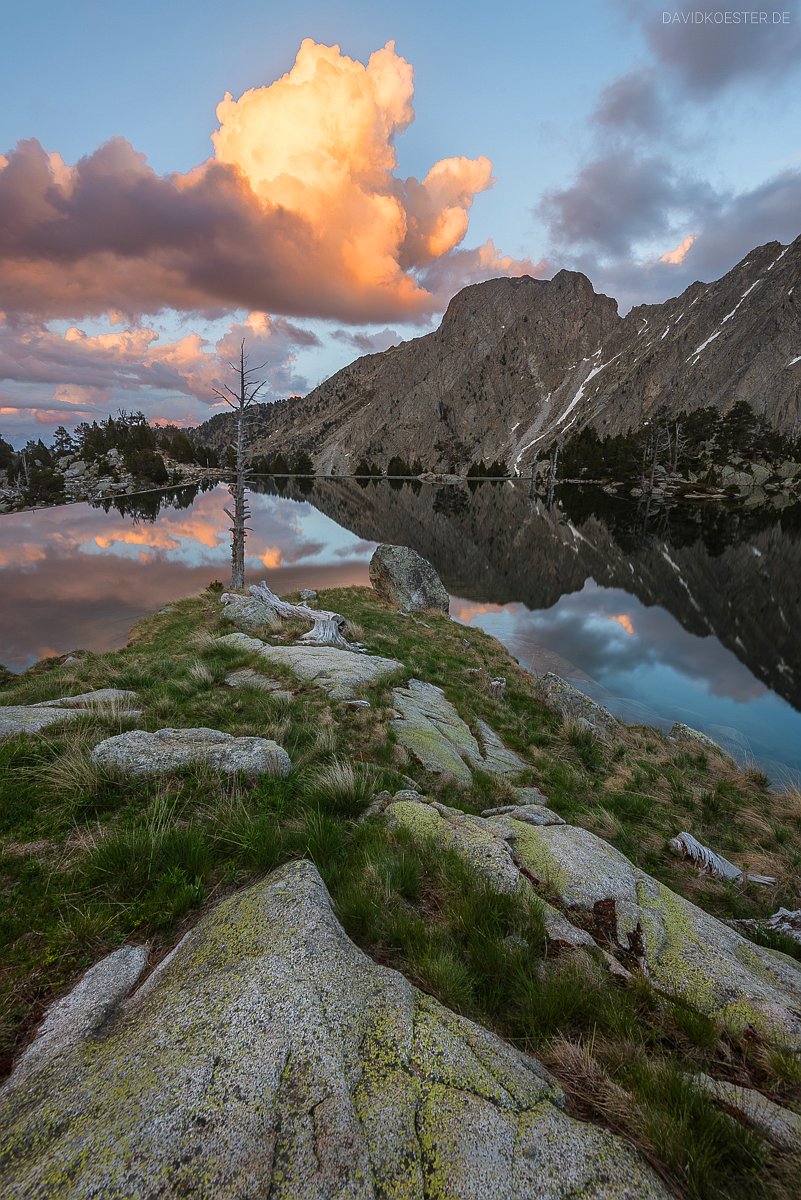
(89, 859)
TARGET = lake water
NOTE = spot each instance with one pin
(690, 615)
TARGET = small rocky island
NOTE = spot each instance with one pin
(324, 896)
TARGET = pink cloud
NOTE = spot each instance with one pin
(300, 211)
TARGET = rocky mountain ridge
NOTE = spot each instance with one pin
(518, 363)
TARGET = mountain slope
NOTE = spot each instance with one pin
(517, 362)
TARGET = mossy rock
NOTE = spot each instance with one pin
(267, 1055)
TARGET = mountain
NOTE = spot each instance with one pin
(517, 362)
(498, 545)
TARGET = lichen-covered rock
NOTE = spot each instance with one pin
(429, 727)
(77, 1015)
(498, 759)
(529, 795)
(781, 1125)
(24, 718)
(268, 1056)
(340, 673)
(103, 697)
(33, 718)
(573, 704)
(685, 950)
(141, 753)
(407, 580)
(685, 733)
(480, 843)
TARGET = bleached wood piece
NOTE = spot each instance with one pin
(327, 627)
(711, 863)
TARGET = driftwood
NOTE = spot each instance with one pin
(708, 861)
(783, 921)
(328, 628)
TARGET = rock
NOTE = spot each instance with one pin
(77, 469)
(25, 718)
(560, 930)
(267, 1055)
(557, 693)
(338, 672)
(529, 795)
(479, 843)
(33, 718)
(141, 753)
(685, 733)
(113, 697)
(485, 846)
(429, 727)
(406, 580)
(247, 677)
(781, 1125)
(248, 613)
(498, 759)
(783, 921)
(686, 951)
(533, 814)
(75, 1017)
(307, 595)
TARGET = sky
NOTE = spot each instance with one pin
(320, 179)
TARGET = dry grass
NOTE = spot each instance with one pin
(73, 772)
(353, 632)
(200, 673)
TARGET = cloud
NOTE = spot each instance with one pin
(632, 105)
(369, 343)
(677, 255)
(726, 225)
(620, 200)
(445, 276)
(62, 378)
(708, 53)
(300, 210)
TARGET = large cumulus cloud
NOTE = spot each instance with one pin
(300, 210)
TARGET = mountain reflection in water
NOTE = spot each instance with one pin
(690, 614)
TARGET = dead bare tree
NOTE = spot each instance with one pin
(240, 401)
(552, 474)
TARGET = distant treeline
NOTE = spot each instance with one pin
(117, 447)
(688, 443)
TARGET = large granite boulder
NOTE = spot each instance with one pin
(269, 1056)
(406, 580)
(141, 753)
(340, 673)
(429, 727)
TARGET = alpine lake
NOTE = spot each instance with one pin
(683, 612)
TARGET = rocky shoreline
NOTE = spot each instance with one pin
(369, 911)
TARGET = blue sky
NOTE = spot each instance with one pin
(614, 138)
